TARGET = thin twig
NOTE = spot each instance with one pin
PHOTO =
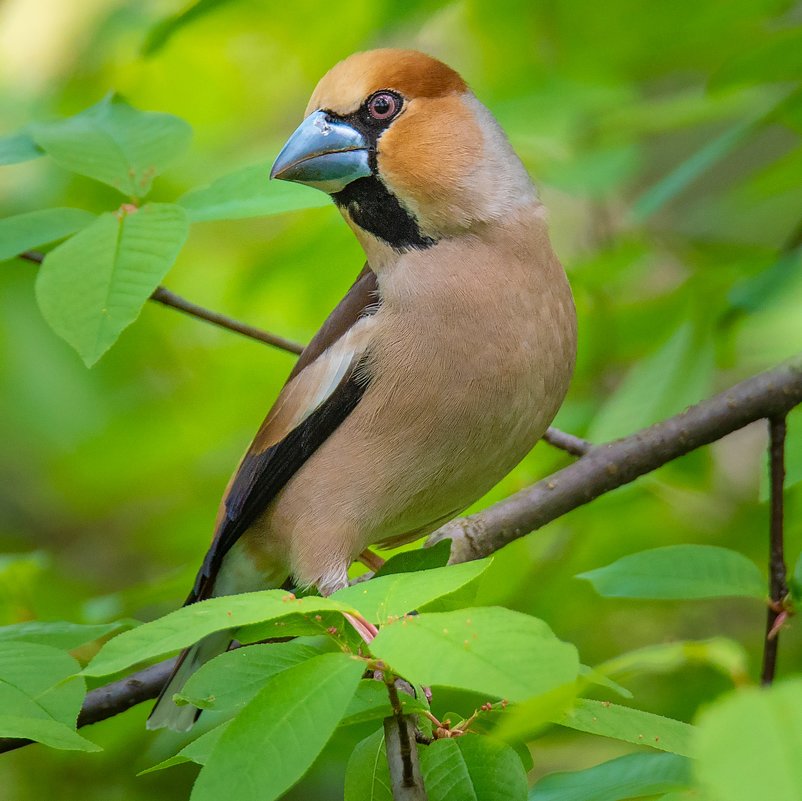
(559, 439)
(576, 446)
(778, 584)
(167, 298)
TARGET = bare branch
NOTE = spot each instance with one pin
(612, 465)
(559, 439)
(167, 298)
(576, 446)
(778, 583)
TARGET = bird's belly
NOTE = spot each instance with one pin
(405, 461)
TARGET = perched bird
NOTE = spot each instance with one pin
(436, 373)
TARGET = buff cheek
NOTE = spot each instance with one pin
(428, 153)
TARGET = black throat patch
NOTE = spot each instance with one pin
(373, 207)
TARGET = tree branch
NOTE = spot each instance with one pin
(559, 439)
(606, 467)
(778, 585)
(167, 298)
(576, 446)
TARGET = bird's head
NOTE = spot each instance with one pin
(409, 155)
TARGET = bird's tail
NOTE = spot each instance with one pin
(166, 713)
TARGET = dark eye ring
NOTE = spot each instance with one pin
(383, 106)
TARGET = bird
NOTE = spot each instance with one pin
(436, 373)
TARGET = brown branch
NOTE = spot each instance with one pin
(612, 465)
(559, 439)
(768, 395)
(778, 584)
(167, 298)
(576, 446)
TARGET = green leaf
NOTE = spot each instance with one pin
(197, 751)
(664, 383)
(93, 286)
(679, 572)
(248, 192)
(231, 680)
(18, 147)
(417, 559)
(286, 724)
(371, 701)
(115, 143)
(472, 768)
(367, 777)
(165, 29)
(60, 634)
(45, 730)
(779, 59)
(40, 695)
(25, 231)
(749, 745)
(489, 650)
(387, 597)
(629, 725)
(189, 624)
(722, 654)
(630, 776)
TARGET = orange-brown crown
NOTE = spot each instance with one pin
(412, 74)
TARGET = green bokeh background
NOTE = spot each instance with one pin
(671, 236)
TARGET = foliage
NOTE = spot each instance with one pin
(669, 156)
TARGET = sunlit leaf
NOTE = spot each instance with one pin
(18, 147)
(630, 776)
(187, 625)
(367, 777)
(679, 572)
(58, 634)
(45, 730)
(197, 751)
(719, 653)
(93, 286)
(286, 724)
(248, 192)
(390, 596)
(232, 679)
(165, 29)
(749, 743)
(371, 702)
(630, 725)
(488, 650)
(417, 559)
(25, 231)
(40, 695)
(472, 767)
(115, 143)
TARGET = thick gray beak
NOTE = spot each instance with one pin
(324, 153)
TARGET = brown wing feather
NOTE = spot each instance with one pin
(281, 446)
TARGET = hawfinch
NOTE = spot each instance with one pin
(436, 373)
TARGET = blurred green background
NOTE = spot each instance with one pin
(665, 139)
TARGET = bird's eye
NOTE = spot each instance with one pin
(383, 106)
